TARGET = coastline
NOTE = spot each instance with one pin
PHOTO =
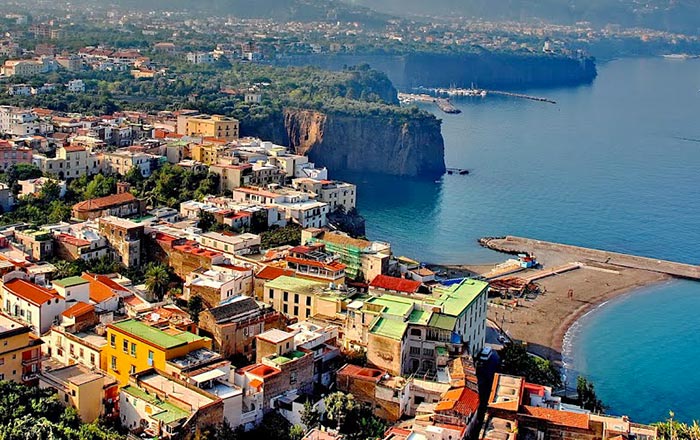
(544, 322)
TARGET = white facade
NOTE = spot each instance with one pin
(39, 314)
(76, 86)
(18, 122)
(200, 57)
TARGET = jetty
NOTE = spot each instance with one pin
(522, 96)
(568, 253)
(446, 106)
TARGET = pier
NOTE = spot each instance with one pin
(521, 96)
(443, 104)
(566, 253)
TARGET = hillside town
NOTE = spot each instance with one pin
(226, 326)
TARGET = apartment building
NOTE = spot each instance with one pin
(215, 126)
(12, 155)
(124, 237)
(20, 351)
(37, 306)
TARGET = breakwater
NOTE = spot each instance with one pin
(534, 247)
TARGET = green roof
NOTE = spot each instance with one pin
(457, 298)
(419, 317)
(390, 328)
(155, 336)
(441, 351)
(168, 412)
(394, 305)
(70, 281)
(443, 322)
(291, 284)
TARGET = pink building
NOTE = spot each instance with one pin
(11, 155)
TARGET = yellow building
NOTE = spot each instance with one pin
(91, 392)
(216, 126)
(208, 154)
(20, 351)
(133, 346)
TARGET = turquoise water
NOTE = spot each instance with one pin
(613, 165)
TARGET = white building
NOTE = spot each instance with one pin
(18, 122)
(37, 306)
(76, 86)
(200, 57)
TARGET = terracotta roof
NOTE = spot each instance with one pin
(75, 241)
(272, 272)
(30, 292)
(255, 383)
(334, 266)
(79, 309)
(72, 148)
(104, 202)
(364, 373)
(395, 284)
(556, 417)
(102, 287)
(460, 400)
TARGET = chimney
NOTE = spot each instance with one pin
(123, 187)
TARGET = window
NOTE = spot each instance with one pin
(296, 298)
(132, 369)
(133, 349)
(82, 353)
(286, 296)
(92, 358)
(2, 361)
(112, 341)
(150, 358)
(72, 350)
(308, 301)
(114, 363)
(285, 310)
(125, 346)
(271, 294)
(296, 310)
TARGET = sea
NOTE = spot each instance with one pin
(613, 165)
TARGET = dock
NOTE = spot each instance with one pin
(522, 96)
(446, 106)
(568, 253)
(443, 104)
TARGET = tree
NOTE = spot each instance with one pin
(339, 407)
(296, 432)
(310, 417)
(517, 361)
(157, 280)
(195, 305)
(206, 221)
(587, 397)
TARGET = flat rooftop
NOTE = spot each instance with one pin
(152, 335)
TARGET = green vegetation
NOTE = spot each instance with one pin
(515, 360)
(29, 413)
(195, 306)
(288, 235)
(671, 429)
(587, 398)
(170, 185)
(158, 277)
(351, 418)
(102, 265)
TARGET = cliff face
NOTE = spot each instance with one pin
(487, 70)
(397, 146)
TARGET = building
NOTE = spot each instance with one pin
(106, 294)
(37, 306)
(118, 205)
(18, 122)
(302, 299)
(227, 242)
(124, 237)
(23, 68)
(537, 414)
(209, 154)
(418, 334)
(20, 356)
(91, 392)
(34, 186)
(122, 161)
(314, 263)
(76, 86)
(37, 244)
(234, 324)
(7, 200)
(337, 194)
(364, 259)
(218, 284)
(268, 273)
(200, 57)
(70, 162)
(400, 286)
(133, 346)
(214, 126)
(164, 407)
(70, 348)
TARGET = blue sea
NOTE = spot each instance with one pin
(613, 165)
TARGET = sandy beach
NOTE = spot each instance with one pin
(543, 322)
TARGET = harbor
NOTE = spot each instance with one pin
(435, 94)
(443, 104)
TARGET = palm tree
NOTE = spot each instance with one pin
(157, 280)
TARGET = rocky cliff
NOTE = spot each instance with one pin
(487, 69)
(407, 145)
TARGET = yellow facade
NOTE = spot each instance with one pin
(17, 344)
(207, 154)
(213, 126)
(133, 346)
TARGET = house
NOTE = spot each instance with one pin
(37, 244)
(124, 237)
(91, 392)
(385, 283)
(20, 360)
(220, 283)
(159, 406)
(302, 299)
(134, 346)
(314, 263)
(34, 186)
(514, 403)
(105, 293)
(235, 323)
(268, 273)
(37, 306)
(7, 200)
(118, 205)
(69, 348)
(215, 126)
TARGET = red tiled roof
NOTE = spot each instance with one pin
(334, 266)
(395, 284)
(30, 292)
(104, 202)
(556, 417)
(79, 309)
(102, 287)
(188, 249)
(75, 241)
(271, 273)
(72, 148)
(364, 373)
(460, 400)
(263, 371)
